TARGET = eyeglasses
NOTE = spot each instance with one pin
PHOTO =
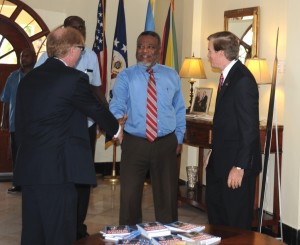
(82, 48)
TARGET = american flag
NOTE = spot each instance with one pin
(99, 46)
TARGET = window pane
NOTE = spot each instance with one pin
(40, 46)
(28, 24)
(7, 9)
(7, 53)
(248, 37)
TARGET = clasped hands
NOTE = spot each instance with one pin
(119, 138)
(235, 178)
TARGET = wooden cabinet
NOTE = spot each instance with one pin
(199, 134)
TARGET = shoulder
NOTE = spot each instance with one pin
(129, 70)
(53, 64)
(15, 73)
(88, 52)
(167, 73)
(88, 60)
(165, 70)
(240, 71)
(41, 60)
(13, 77)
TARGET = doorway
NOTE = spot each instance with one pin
(20, 27)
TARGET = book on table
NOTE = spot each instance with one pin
(153, 229)
(136, 241)
(180, 226)
(164, 240)
(200, 237)
(115, 232)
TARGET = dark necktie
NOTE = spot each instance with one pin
(151, 115)
(221, 81)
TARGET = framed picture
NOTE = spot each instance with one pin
(201, 100)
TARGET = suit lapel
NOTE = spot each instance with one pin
(227, 82)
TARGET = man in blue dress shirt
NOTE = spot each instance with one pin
(138, 154)
(8, 96)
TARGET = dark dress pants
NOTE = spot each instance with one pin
(159, 157)
(49, 214)
(14, 150)
(230, 207)
(83, 192)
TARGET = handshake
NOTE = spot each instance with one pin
(118, 137)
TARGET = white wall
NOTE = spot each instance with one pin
(290, 170)
(281, 14)
(195, 20)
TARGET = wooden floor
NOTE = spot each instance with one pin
(103, 210)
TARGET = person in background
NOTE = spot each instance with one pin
(54, 153)
(8, 97)
(87, 63)
(203, 102)
(196, 106)
(140, 151)
(235, 160)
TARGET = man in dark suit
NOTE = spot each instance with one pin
(203, 102)
(53, 102)
(235, 160)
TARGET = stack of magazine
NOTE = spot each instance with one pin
(200, 238)
(179, 226)
(153, 229)
(115, 232)
(164, 240)
(158, 234)
(135, 241)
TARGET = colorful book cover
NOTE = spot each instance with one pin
(184, 226)
(164, 240)
(116, 230)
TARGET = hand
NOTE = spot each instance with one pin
(235, 178)
(178, 149)
(119, 138)
(122, 120)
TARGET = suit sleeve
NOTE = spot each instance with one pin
(246, 107)
(85, 101)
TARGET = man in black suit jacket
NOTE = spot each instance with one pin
(203, 102)
(53, 102)
(235, 160)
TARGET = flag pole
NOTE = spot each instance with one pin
(113, 177)
(268, 137)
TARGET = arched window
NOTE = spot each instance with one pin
(20, 27)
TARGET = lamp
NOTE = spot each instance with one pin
(192, 68)
(259, 69)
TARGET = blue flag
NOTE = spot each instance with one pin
(119, 53)
(149, 24)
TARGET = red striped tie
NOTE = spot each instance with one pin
(221, 81)
(151, 116)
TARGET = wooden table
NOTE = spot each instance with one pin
(199, 134)
(229, 236)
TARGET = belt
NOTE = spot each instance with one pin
(157, 138)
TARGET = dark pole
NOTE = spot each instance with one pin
(268, 136)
